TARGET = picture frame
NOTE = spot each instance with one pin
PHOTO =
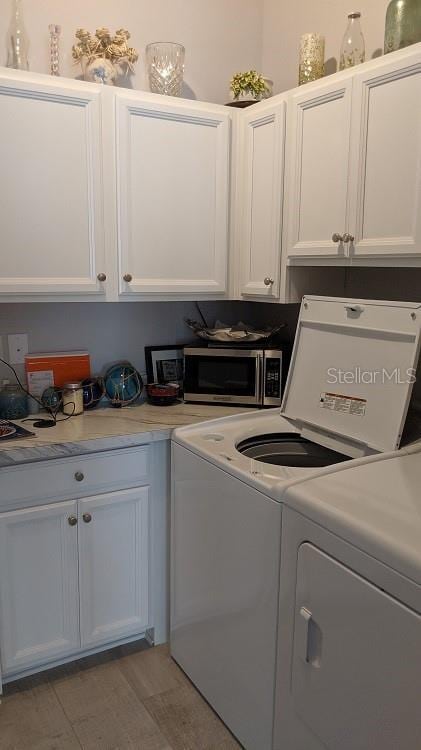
(165, 364)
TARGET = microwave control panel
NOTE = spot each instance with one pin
(273, 378)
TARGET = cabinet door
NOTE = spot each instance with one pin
(318, 145)
(263, 156)
(356, 678)
(51, 191)
(113, 565)
(172, 197)
(38, 585)
(386, 162)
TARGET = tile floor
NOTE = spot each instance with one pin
(131, 697)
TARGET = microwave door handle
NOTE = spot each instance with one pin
(263, 386)
(259, 376)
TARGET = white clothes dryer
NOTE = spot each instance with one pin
(349, 647)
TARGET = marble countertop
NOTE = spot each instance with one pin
(105, 429)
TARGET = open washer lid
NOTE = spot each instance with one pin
(352, 372)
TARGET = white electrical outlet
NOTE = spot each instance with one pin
(18, 347)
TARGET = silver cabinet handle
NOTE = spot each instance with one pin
(79, 476)
(72, 520)
(357, 309)
(268, 281)
(87, 517)
(337, 237)
(348, 237)
(128, 277)
(102, 277)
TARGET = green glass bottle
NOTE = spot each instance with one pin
(403, 24)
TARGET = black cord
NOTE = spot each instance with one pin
(36, 399)
(201, 314)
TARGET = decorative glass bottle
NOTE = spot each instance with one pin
(353, 45)
(17, 39)
(55, 32)
(312, 58)
(403, 24)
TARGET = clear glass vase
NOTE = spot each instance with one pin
(17, 39)
(165, 63)
(353, 45)
(403, 24)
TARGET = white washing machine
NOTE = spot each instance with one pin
(349, 668)
(228, 477)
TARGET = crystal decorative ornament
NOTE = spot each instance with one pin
(55, 32)
(312, 58)
(165, 64)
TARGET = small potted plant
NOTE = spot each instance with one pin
(248, 88)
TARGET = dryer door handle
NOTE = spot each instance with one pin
(303, 630)
(309, 638)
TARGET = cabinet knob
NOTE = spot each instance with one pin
(87, 517)
(79, 476)
(72, 520)
(337, 237)
(268, 281)
(102, 277)
(128, 277)
(348, 237)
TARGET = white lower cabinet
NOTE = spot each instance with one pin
(74, 575)
(39, 612)
(113, 565)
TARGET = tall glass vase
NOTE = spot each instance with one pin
(312, 58)
(403, 24)
(353, 45)
(165, 62)
(17, 39)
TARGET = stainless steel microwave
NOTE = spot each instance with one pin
(251, 377)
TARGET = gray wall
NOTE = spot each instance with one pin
(113, 331)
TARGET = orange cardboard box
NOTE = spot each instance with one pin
(55, 369)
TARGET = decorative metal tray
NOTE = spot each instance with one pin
(239, 333)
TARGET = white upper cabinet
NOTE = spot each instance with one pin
(51, 192)
(386, 162)
(318, 145)
(116, 194)
(262, 170)
(172, 196)
(355, 166)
